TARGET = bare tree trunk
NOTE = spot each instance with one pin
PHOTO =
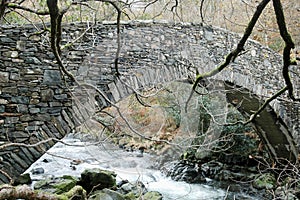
(2, 9)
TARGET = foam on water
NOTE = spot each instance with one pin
(127, 165)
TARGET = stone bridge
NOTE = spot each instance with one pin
(37, 103)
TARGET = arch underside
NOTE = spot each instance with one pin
(270, 126)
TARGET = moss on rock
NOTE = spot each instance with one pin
(152, 195)
(56, 186)
(97, 179)
(264, 181)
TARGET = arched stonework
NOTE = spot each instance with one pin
(36, 104)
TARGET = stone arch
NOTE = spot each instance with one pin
(269, 125)
(35, 103)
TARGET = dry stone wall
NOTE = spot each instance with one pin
(34, 101)
(38, 103)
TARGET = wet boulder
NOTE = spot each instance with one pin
(136, 189)
(22, 179)
(57, 185)
(62, 188)
(97, 179)
(106, 194)
(76, 193)
(152, 195)
(181, 171)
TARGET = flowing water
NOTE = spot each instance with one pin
(72, 159)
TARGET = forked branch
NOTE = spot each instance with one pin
(233, 54)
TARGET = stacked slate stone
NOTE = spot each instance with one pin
(35, 99)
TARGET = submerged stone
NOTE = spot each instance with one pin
(38, 170)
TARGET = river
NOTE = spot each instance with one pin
(74, 158)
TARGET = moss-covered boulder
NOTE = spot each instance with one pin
(97, 179)
(56, 186)
(65, 185)
(76, 193)
(152, 195)
(264, 181)
(22, 179)
(106, 194)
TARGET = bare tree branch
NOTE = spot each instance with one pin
(233, 54)
(3, 6)
(117, 55)
(18, 6)
(56, 19)
(201, 11)
(289, 45)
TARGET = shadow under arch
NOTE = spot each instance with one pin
(270, 127)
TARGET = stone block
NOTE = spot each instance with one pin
(22, 108)
(55, 104)
(61, 97)
(34, 110)
(47, 95)
(44, 110)
(2, 108)
(28, 154)
(20, 99)
(21, 45)
(26, 118)
(14, 76)
(43, 117)
(3, 102)
(10, 90)
(32, 60)
(67, 118)
(34, 101)
(32, 128)
(18, 135)
(52, 77)
(6, 40)
(16, 60)
(4, 77)
(42, 104)
(11, 54)
(17, 158)
(11, 120)
(54, 110)
(21, 126)
(11, 108)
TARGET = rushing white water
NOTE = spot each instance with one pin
(64, 159)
